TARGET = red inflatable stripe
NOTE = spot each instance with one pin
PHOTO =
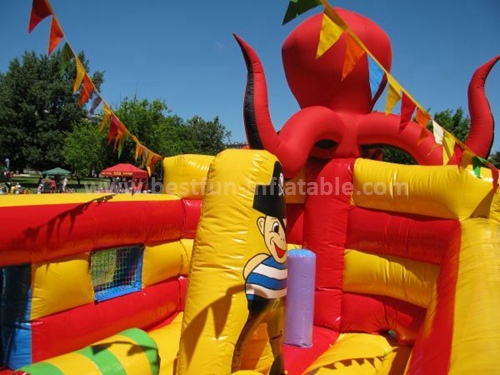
(76, 328)
(409, 236)
(42, 232)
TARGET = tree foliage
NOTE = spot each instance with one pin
(37, 109)
(84, 148)
(42, 124)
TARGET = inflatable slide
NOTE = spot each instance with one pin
(199, 279)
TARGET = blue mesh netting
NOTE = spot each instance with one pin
(116, 272)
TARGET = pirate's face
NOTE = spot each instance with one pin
(274, 235)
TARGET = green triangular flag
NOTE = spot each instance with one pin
(477, 163)
(66, 56)
(297, 7)
(121, 143)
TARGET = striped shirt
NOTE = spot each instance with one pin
(267, 281)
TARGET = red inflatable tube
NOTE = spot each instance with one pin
(410, 236)
(42, 232)
(92, 322)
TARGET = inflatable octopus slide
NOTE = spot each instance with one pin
(304, 254)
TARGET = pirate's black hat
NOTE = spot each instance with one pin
(270, 199)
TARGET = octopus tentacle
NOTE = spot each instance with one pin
(482, 125)
(258, 125)
(299, 134)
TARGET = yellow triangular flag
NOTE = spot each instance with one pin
(393, 94)
(448, 147)
(330, 34)
(105, 118)
(138, 150)
(80, 74)
(467, 157)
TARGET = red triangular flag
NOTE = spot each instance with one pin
(407, 108)
(88, 87)
(39, 10)
(113, 128)
(56, 34)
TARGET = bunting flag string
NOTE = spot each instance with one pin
(297, 7)
(332, 28)
(353, 53)
(376, 75)
(407, 109)
(42, 9)
(56, 34)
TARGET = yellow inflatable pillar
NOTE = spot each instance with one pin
(237, 278)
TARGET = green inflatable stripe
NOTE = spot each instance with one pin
(42, 368)
(105, 361)
(147, 344)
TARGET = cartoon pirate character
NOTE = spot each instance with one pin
(265, 274)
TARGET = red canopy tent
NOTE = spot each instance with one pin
(124, 170)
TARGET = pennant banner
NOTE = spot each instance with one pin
(56, 35)
(329, 35)
(80, 74)
(407, 109)
(393, 95)
(376, 74)
(88, 88)
(40, 10)
(353, 53)
(297, 7)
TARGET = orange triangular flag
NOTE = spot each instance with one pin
(155, 159)
(88, 87)
(40, 10)
(424, 133)
(56, 34)
(80, 74)
(150, 158)
(422, 117)
(353, 53)
(330, 34)
(393, 94)
(138, 150)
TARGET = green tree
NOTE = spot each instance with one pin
(210, 137)
(495, 159)
(38, 109)
(84, 148)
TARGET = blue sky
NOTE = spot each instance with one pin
(183, 51)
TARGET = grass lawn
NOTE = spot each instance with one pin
(31, 182)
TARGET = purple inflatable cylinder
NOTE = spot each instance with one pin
(299, 308)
